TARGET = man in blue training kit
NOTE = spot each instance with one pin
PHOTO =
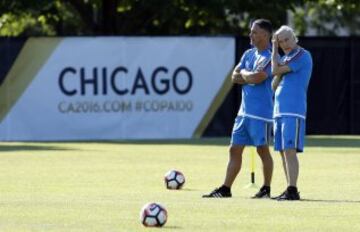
(292, 75)
(252, 126)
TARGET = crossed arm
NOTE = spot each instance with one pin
(277, 70)
(242, 76)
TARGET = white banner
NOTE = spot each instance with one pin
(105, 88)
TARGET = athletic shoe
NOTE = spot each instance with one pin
(280, 196)
(264, 192)
(288, 196)
(218, 193)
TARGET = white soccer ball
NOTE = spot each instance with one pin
(153, 215)
(174, 179)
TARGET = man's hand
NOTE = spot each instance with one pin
(275, 42)
(236, 77)
(275, 82)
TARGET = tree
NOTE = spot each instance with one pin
(328, 17)
(39, 17)
(164, 17)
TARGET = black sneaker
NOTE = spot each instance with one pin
(288, 196)
(264, 192)
(218, 193)
(280, 196)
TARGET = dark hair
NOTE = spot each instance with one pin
(264, 24)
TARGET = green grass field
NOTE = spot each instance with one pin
(102, 187)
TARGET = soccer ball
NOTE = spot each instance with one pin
(174, 179)
(153, 215)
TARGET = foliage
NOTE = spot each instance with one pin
(14, 25)
(39, 17)
(168, 17)
(329, 17)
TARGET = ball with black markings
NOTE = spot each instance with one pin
(153, 215)
(174, 179)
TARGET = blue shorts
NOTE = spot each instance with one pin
(289, 133)
(249, 131)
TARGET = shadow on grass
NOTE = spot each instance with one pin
(171, 227)
(189, 189)
(23, 147)
(311, 141)
(333, 141)
(221, 141)
(331, 201)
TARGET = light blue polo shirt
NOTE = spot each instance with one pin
(290, 95)
(257, 99)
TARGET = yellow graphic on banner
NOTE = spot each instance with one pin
(214, 106)
(32, 57)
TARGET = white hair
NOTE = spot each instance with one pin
(287, 29)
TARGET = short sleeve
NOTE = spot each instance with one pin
(241, 64)
(265, 66)
(304, 60)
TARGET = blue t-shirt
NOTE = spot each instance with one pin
(257, 99)
(290, 95)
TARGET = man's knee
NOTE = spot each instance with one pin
(290, 152)
(236, 150)
(263, 150)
